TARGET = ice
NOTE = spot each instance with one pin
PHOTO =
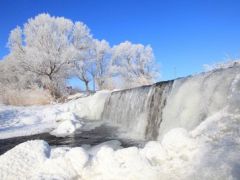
(209, 151)
(195, 98)
(23, 160)
(90, 107)
(137, 111)
(61, 119)
(114, 144)
(68, 166)
(66, 128)
(67, 124)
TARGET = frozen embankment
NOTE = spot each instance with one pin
(195, 120)
(61, 119)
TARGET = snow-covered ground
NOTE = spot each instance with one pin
(61, 119)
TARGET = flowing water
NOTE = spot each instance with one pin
(138, 110)
(97, 134)
(148, 112)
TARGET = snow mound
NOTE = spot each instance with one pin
(23, 160)
(68, 166)
(114, 144)
(63, 116)
(66, 128)
(90, 107)
(67, 124)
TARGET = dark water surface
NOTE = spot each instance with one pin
(94, 136)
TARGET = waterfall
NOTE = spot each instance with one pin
(138, 110)
(195, 98)
(155, 106)
(149, 112)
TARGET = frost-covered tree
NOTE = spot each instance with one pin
(101, 62)
(48, 50)
(46, 46)
(134, 64)
(13, 76)
(83, 44)
(82, 73)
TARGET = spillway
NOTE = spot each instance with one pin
(148, 112)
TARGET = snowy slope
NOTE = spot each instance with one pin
(22, 121)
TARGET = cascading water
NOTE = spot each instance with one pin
(195, 98)
(149, 112)
(155, 105)
(138, 110)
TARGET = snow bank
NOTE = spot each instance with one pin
(210, 151)
(66, 128)
(23, 160)
(114, 144)
(90, 107)
(76, 96)
(22, 121)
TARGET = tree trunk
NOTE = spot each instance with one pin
(94, 85)
(86, 85)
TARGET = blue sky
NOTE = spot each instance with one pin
(184, 34)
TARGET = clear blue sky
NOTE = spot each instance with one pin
(183, 34)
